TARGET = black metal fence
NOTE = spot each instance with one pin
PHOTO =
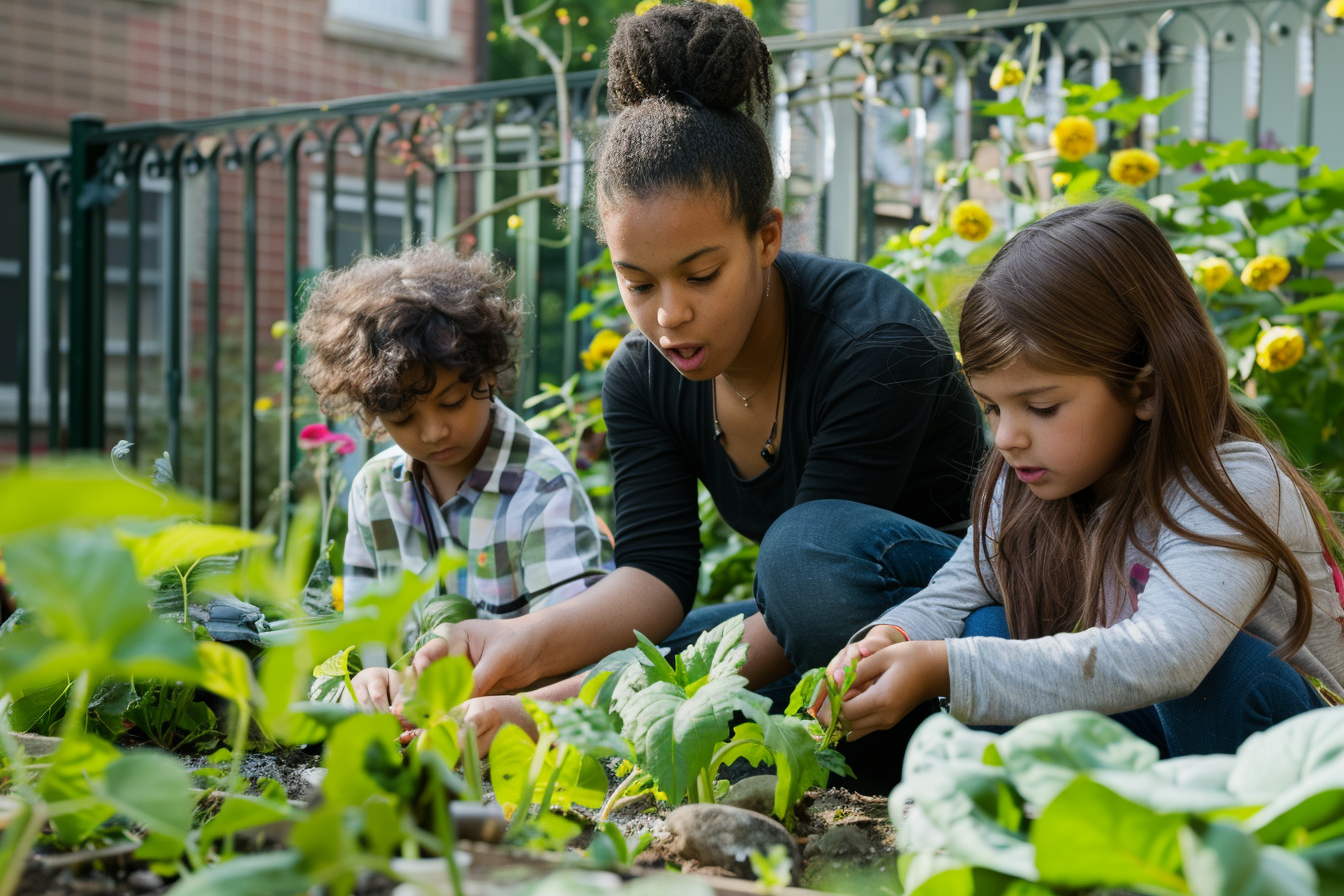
(146, 266)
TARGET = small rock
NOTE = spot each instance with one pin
(844, 841)
(726, 836)
(37, 745)
(755, 794)
(311, 791)
(145, 880)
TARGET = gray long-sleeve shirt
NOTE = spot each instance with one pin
(1160, 643)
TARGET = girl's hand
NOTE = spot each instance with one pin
(376, 689)
(500, 650)
(892, 682)
(879, 638)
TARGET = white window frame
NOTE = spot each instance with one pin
(390, 202)
(368, 23)
(379, 14)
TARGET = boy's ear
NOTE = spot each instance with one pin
(1143, 393)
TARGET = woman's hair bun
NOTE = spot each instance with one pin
(711, 51)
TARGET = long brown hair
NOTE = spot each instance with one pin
(1095, 289)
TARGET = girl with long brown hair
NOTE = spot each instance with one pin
(1138, 546)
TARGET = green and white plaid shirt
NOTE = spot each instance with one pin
(526, 532)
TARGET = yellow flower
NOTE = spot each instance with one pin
(1007, 73)
(940, 174)
(1061, 179)
(1074, 138)
(1335, 9)
(279, 329)
(600, 349)
(338, 593)
(1279, 348)
(971, 221)
(1133, 166)
(1265, 272)
(744, 5)
(492, 36)
(1213, 273)
(919, 234)
(263, 404)
(645, 5)
(515, 222)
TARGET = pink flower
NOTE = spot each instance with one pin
(314, 435)
(279, 366)
(344, 443)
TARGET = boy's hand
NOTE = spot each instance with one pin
(376, 689)
(489, 714)
(892, 682)
(501, 652)
(880, 637)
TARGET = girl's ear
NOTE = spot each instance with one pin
(1144, 393)
(770, 237)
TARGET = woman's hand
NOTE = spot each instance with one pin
(890, 683)
(878, 638)
(501, 652)
(376, 690)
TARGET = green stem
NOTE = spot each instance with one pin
(524, 808)
(447, 839)
(706, 787)
(471, 765)
(18, 856)
(76, 707)
(242, 722)
(560, 754)
(616, 794)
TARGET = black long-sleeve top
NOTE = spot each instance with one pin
(876, 411)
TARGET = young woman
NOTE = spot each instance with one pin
(819, 401)
(1138, 547)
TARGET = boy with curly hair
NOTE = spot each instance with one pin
(418, 345)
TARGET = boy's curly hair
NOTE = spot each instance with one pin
(376, 331)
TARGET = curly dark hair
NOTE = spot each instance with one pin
(689, 87)
(376, 331)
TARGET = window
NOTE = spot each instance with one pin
(420, 27)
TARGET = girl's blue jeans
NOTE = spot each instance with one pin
(828, 568)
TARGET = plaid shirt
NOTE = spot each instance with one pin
(524, 529)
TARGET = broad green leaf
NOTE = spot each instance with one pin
(443, 685)
(1084, 183)
(1332, 302)
(1238, 152)
(658, 664)
(1183, 154)
(948, 817)
(795, 760)
(1012, 108)
(1220, 860)
(1183, 784)
(77, 494)
(805, 691)
(1044, 754)
(76, 766)
(335, 666)
(182, 543)
(1129, 112)
(91, 614)
(581, 781)
(355, 750)
(1327, 859)
(153, 789)
(226, 671)
(1091, 838)
(967, 881)
(715, 653)
(591, 730)
(675, 736)
(263, 874)
(1221, 191)
(38, 710)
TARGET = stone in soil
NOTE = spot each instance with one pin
(755, 794)
(839, 843)
(725, 837)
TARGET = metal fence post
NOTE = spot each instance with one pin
(86, 350)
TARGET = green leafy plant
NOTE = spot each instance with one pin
(1074, 801)
(671, 721)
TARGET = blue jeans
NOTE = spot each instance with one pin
(1247, 690)
(826, 569)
